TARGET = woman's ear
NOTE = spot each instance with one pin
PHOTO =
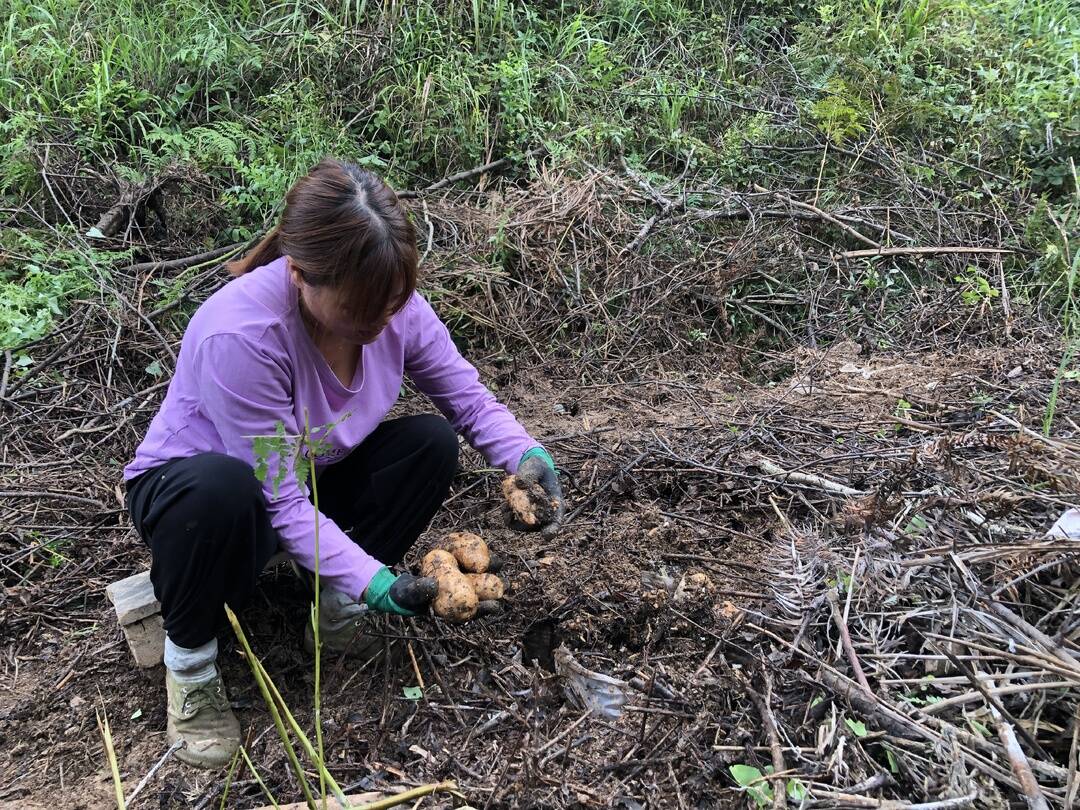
(294, 273)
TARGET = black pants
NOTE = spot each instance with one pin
(205, 517)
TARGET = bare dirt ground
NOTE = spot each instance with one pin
(807, 526)
(694, 568)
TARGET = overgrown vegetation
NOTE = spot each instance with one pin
(779, 281)
(979, 99)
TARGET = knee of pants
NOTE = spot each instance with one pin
(440, 440)
(221, 496)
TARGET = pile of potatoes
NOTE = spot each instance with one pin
(465, 572)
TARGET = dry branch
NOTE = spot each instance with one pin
(918, 251)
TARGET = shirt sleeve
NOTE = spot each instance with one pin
(246, 392)
(437, 368)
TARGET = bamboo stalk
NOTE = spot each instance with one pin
(257, 671)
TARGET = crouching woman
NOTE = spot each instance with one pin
(318, 328)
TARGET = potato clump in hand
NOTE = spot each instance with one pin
(456, 600)
(529, 503)
(463, 596)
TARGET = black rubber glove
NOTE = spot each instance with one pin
(537, 467)
(405, 595)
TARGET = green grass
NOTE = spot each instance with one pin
(249, 94)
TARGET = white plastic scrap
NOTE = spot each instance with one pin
(1067, 526)
(601, 694)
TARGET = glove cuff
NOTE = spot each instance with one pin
(539, 452)
(377, 593)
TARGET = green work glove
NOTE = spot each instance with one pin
(404, 595)
(537, 467)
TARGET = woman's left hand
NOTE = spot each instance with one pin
(537, 467)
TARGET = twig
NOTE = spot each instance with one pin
(845, 638)
(1018, 761)
(470, 173)
(622, 471)
(995, 705)
(917, 251)
(1073, 784)
(852, 800)
(415, 666)
(7, 370)
(48, 361)
(805, 478)
(176, 746)
(780, 788)
(186, 261)
(866, 240)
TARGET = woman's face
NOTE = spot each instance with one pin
(322, 305)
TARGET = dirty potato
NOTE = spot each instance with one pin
(486, 586)
(529, 503)
(456, 600)
(470, 551)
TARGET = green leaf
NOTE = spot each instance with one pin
(894, 766)
(916, 526)
(747, 777)
(796, 790)
(413, 692)
(154, 369)
(979, 728)
(858, 728)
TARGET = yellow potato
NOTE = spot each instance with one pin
(470, 551)
(529, 502)
(486, 586)
(436, 562)
(456, 600)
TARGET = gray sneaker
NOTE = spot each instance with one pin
(200, 715)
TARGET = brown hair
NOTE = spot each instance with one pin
(344, 228)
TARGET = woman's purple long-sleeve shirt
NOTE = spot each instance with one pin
(247, 363)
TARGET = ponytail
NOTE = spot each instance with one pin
(268, 249)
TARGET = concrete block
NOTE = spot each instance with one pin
(138, 613)
(146, 639)
(133, 598)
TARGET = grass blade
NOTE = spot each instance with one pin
(257, 671)
(110, 754)
(262, 784)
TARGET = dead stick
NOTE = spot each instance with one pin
(852, 800)
(184, 262)
(917, 251)
(470, 173)
(1018, 761)
(824, 215)
(1035, 633)
(991, 700)
(845, 639)
(923, 727)
(780, 788)
(1073, 784)
(4, 376)
(150, 774)
(818, 481)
